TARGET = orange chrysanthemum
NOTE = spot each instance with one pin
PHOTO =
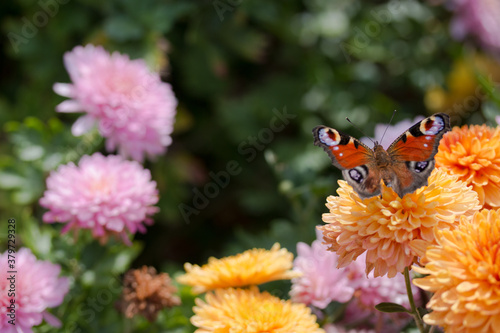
(251, 267)
(464, 274)
(250, 311)
(393, 230)
(473, 153)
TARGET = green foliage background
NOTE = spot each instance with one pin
(232, 65)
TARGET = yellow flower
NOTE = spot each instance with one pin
(392, 230)
(250, 311)
(463, 94)
(464, 274)
(461, 83)
(251, 267)
(473, 153)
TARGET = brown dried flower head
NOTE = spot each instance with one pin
(145, 292)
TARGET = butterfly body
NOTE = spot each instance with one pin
(404, 166)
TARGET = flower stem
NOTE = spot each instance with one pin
(414, 311)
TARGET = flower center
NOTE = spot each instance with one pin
(122, 83)
(101, 185)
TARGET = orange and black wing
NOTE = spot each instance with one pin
(345, 151)
(421, 141)
(355, 159)
(413, 152)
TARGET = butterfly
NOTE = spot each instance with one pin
(404, 166)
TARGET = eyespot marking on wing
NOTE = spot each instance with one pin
(432, 125)
(329, 138)
(358, 174)
(345, 151)
(420, 166)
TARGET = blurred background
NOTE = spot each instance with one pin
(235, 67)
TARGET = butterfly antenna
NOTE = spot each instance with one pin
(359, 129)
(390, 121)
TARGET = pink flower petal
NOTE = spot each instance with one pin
(63, 89)
(38, 288)
(134, 110)
(106, 194)
(478, 18)
(83, 125)
(51, 319)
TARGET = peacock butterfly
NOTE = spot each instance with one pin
(404, 166)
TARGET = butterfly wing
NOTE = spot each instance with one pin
(355, 159)
(413, 152)
(345, 151)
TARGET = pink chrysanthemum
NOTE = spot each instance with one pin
(133, 109)
(331, 328)
(321, 282)
(108, 195)
(371, 291)
(478, 18)
(374, 290)
(37, 288)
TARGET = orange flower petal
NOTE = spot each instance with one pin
(248, 310)
(392, 230)
(251, 267)
(463, 271)
(473, 154)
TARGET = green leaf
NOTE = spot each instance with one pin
(422, 311)
(39, 238)
(122, 28)
(31, 153)
(391, 307)
(10, 180)
(164, 16)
